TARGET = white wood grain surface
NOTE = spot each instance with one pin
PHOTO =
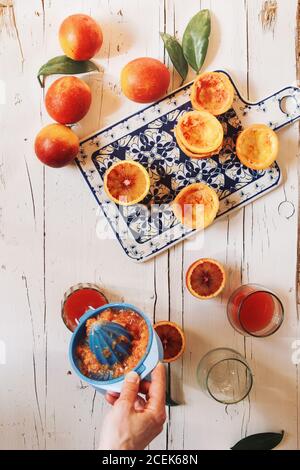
(48, 240)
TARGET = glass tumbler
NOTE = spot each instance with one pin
(253, 310)
(77, 300)
(224, 375)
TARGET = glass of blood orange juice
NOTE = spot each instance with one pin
(254, 310)
(77, 300)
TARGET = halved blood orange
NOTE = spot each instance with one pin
(257, 146)
(213, 92)
(196, 205)
(190, 154)
(205, 278)
(126, 182)
(200, 131)
(172, 339)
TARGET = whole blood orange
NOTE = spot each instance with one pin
(200, 132)
(196, 205)
(212, 91)
(145, 80)
(56, 145)
(205, 278)
(257, 146)
(68, 100)
(172, 339)
(80, 37)
(126, 182)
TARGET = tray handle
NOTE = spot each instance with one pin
(283, 108)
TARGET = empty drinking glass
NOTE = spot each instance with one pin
(225, 375)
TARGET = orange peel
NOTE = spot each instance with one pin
(200, 132)
(257, 146)
(190, 154)
(196, 205)
(212, 91)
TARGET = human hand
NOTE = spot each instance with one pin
(134, 422)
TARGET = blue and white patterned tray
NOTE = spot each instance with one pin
(148, 137)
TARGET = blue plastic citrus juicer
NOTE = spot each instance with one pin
(111, 343)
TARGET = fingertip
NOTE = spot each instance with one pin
(111, 397)
(132, 377)
(113, 394)
(110, 400)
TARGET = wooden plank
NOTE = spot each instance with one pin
(177, 16)
(297, 53)
(205, 322)
(21, 240)
(271, 219)
(80, 256)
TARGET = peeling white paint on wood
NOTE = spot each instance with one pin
(48, 241)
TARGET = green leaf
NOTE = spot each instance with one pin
(170, 401)
(66, 66)
(261, 441)
(195, 39)
(176, 54)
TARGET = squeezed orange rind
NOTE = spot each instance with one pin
(257, 146)
(213, 92)
(190, 154)
(196, 205)
(199, 132)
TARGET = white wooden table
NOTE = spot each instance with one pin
(48, 241)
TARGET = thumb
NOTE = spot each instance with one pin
(130, 388)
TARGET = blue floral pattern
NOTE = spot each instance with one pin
(146, 229)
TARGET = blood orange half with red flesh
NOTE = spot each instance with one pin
(172, 339)
(205, 278)
(126, 182)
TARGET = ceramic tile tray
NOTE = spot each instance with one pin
(148, 137)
